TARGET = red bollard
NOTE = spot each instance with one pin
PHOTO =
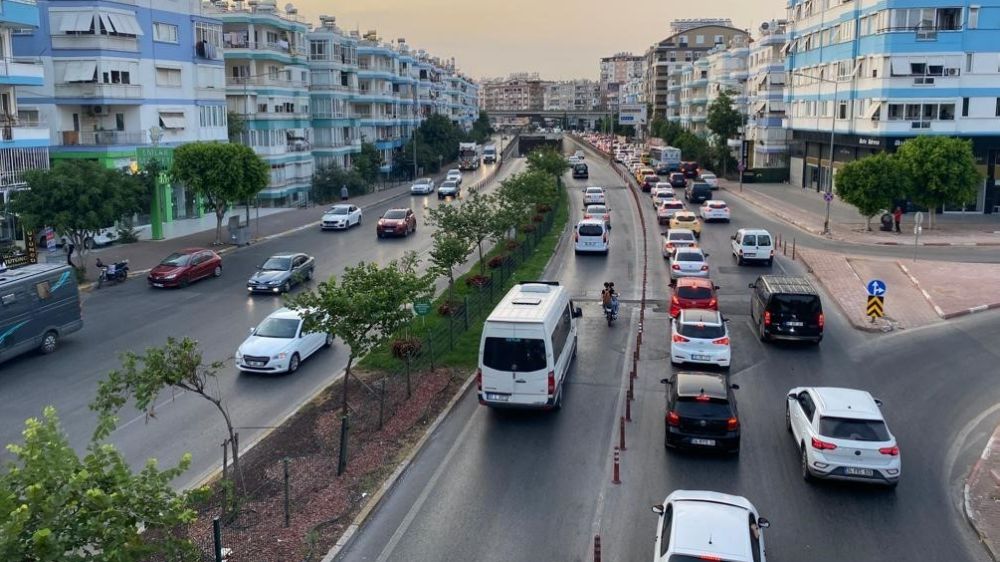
(628, 404)
(616, 474)
(597, 548)
(621, 433)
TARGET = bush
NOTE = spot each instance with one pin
(449, 308)
(127, 234)
(405, 347)
(512, 245)
(526, 228)
(543, 208)
(497, 261)
(538, 218)
(478, 281)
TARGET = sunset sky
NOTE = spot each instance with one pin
(560, 39)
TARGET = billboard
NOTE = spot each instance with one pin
(632, 114)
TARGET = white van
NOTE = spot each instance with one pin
(528, 342)
(753, 244)
(592, 236)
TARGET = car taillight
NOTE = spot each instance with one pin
(479, 379)
(704, 268)
(675, 300)
(821, 320)
(713, 303)
(576, 237)
(891, 451)
(733, 423)
(710, 557)
(673, 419)
(586, 216)
(721, 341)
(675, 267)
(772, 252)
(552, 383)
(670, 246)
(677, 338)
(767, 318)
(822, 445)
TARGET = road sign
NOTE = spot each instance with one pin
(876, 307)
(918, 218)
(876, 288)
(421, 308)
(827, 196)
(632, 114)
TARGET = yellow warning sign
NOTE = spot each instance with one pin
(876, 306)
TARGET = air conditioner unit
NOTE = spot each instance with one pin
(951, 72)
(97, 110)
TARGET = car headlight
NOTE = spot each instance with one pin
(281, 355)
(171, 276)
(239, 355)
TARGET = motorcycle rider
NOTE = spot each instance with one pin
(609, 298)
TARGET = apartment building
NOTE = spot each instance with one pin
(570, 95)
(878, 73)
(766, 136)
(689, 41)
(517, 92)
(333, 83)
(617, 71)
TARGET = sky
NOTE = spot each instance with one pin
(559, 39)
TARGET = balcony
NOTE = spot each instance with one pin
(101, 138)
(697, 83)
(98, 90)
(23, 131)
(699, 100)
(280, 47)
(21, 71)
(239, 82)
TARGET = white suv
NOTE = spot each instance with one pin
(699, 525)
(753, 244)
(841, 434)
(592, 236)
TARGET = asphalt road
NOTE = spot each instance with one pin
(536, 486)
(216, 312)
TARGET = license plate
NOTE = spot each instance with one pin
(705, 442)
(255, 363)
(157, 284)
(497, 397)
(697, 357)
(793, 324)
(851, 471)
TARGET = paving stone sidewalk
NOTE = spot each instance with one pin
(982, 496)
(806, 209)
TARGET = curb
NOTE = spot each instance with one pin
(856, 324)
(974, 475)
(393, 479)
(927, 296)
(937, 309)
(973, 310)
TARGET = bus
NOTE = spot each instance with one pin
(665, 159)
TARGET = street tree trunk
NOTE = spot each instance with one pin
(220, 212)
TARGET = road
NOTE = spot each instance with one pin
(215, 312)
(517, 486)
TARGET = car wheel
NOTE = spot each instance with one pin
(739, 260)
(329, 340)
(293, 363)
(287, 286)
(359, 220)
(309, 275)
(770, 262)
(378, 233)
(762, 333)
(184, 282)
(806, 475)
(49, 342)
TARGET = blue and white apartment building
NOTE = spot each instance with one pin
(883, 71)
(766, 137)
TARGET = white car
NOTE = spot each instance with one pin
(710, 179)
(598, 212)
(714, 210)
(662, 194)
(594, 196)
(841, 434)
(422, 186)
(675, 238)
(688, 262)
(340, 217)
(592, 235)
(454, 175)
(278, 344)
(667, 209)
(753, 244)
(700, 336)
(699, 525)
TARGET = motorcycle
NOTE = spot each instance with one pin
(611, 312)
(113, 273)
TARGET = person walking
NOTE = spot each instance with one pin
(897, 217)
(343, 193)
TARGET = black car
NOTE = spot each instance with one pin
(787, 308)
(690, 169)
(698, 192)
(701, 412)
(580, 171)
(677, 179)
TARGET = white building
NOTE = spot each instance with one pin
(766, 136)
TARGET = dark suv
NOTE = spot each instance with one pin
(701, 412)
(690, 169)
(698, 192)
(787, 308)
(677, 179)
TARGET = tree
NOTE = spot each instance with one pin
(328, 181)
(548, 161)
(693, 147)
(724, 122)
(76, 199)
(872, 184)
(236, 125)
(942, 170)
(669, 131)
(448, 252)
(59, 506)
(482, 130)
(178, 365)
(221, 173)
(368, 163)
(477, 212)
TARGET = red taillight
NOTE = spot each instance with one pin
(704, 268)
(675, 267)
(767, 318)
(721, 341)
(733, 423)
(891, 451)
(821, 320)
(713, 303)
(673, 419)
(703, 398)
(576, 237)
(552, 383)
(822, 445)
(677, 338)
(669, 246)
(479, 379)
(586, 216)
(710, 557)
(675, 300)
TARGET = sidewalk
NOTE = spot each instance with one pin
(806, 209)
(982, 496)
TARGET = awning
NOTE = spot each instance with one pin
(935, 61)
(172, 120)
(124, 23)
(75, 21)
(760, 80)
(900, 67)
(80, 71)
(872, 109)
(758, 107)
(106, 20)
(788, 46)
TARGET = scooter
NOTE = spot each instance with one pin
(113, 273)
(610, 312)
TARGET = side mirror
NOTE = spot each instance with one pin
(665, 381)
(878, 402)
(705, 254)
(578, 312)
(793, 396)
(734, 386)
(250, 331)
(749, 286)
(716, 287)
(733, 237)
(763, 523)
(658, 509)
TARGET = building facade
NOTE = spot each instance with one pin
(517, 92)
(570, 95)
(333, 84)
(878, 73)
(618, 72)
(766, 135)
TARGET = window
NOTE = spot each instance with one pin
(560, 333)
(895, 111)
(518, 355)
(208, 40)
(965, 107)
(973, 21)
(119, 121)
(116, 77)
(949, 19)
(668, 520)
(808, 407)
(842, 111)
(946, 112)
(853, 429)
(319, 50)
(719, 39)
(164, 32)
(168, 76)
(43, 290)
(699, 39)
(918, 68)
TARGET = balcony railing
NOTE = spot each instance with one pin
(241, 81)
(102, 138)
(22, 66)
(98, 90)
(279, 46)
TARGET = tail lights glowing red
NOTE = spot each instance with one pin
(721, 341)
(732, 424)
(675, 267)
(891, 451)
(673, 419)
(677, 338)
(552, 383)
(821, 320)
(479, 379)
(767, 318)
(704, 268)
(822, 445)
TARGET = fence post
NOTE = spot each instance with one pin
(465, 311)
(287, 512)
(217, 538)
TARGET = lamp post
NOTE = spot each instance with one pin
(156, 213)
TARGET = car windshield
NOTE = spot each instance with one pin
(595, 191)
(514, 354)
(176, 260)
(701, 331)
(338, 211)
(422, 181)
(449, 184)
(690, 256)
(799, 305)
(692, 407)
(394, 215)
(597, 209)
(673, 205)
(688, 292)
(718, 206)
(684, 218)
(855, 430)
(708, 176)
(277, 264)
(590, 230)
(277, 328)
(681, 236)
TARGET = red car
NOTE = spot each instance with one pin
(184, 267)
(649, 181)
(693, 292)
(396, 222)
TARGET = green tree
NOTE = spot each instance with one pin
(178, 365)
(942, 170)
(669, 131)
(693, 147)
(221, 173)
(59, 506)
(477, 212)
(482, 130)
(236, 125)
(368, 163)
(724, 122)
(548, 161)
(871, 184)
(328, 181)
(449, 251)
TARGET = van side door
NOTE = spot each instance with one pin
(562, 345)
(15, 317)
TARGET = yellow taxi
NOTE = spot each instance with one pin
(642, 172)
(688, 220)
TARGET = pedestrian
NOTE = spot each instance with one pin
(897, 217)
(343, 193)
(69, 253)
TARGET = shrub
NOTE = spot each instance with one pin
(538, 218)
(478, 281)
(512, 245)
(543, 208)
(449, 308)
(526, 228)
(497, 261)
(405, 347)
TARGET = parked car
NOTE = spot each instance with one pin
(454, 175)
(693, 292)
(699, 525)
(594, 196)
(280, 272)
(714, 210)
(667, 210)
(698, 192)
(592, 235)
(710, 179)
(341, 217)
(449, 189)
(396, 222)
(688, 262)
(598, 212)
(279, 344)
(753, 244)
(700, 336)
(184, 267)
(422, 186)
(840, 434)
(701, 412)
(675, 238)
(786, 307)
(688, 220)
(678, 180)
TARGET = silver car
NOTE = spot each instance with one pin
(688, 262)
(281, 272)
(422, 186)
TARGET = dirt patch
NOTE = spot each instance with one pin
(322, 504)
